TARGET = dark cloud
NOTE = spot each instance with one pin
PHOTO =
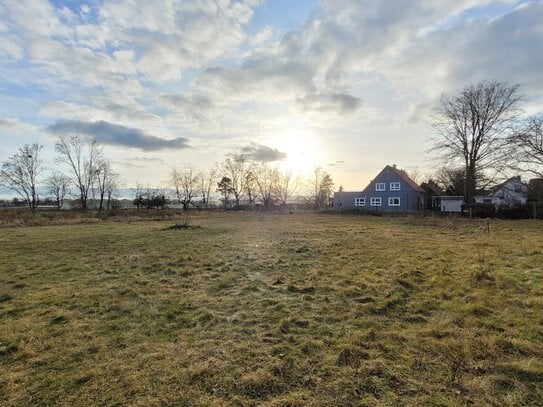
(117, 135)
(340, 103)
(258, 152)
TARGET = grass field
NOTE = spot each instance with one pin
(272, 309)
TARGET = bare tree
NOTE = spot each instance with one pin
(112, 184)
(106, 182)
(416, 174)
(235, 169)
(266, 179)
(287, 184)
(451, 180)
(206, 181)
(58, 185)
(83, 158)
(20, 172)
(251, 186)
(472, 129)
(527, 145)
(185, 182)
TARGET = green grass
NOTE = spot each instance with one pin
(272, 309)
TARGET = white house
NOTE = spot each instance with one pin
(509, 193)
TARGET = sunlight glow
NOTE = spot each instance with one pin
(302, 148)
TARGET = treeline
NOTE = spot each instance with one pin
(237, 181)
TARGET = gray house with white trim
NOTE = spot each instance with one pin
(391, 191)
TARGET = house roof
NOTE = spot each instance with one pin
(400, 173)
(346, 194)
(516, 179)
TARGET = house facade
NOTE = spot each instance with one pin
(509, 193)
(391, 191)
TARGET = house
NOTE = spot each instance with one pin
(509, 193)
(390, 191)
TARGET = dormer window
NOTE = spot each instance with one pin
(394, 186)
(380, 186)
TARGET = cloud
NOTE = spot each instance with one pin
(194, 106)
(337, 163)
(259, 152)
(120, 41)
(340, 103)
(117, 135)
(15, 126)
(9, 123)
(141, 162)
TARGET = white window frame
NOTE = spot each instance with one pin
(376, 201)
(391, 202)
(395, 186)
(380, 186)
(359, 201)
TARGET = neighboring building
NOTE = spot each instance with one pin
(451, 203)
(433, 195)
(509, 193)
(391, 191)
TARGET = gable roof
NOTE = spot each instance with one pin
(514, 180)
(401, 174)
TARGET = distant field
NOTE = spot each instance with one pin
(281, 310)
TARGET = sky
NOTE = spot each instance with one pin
(348, 85)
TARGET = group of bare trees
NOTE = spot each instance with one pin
(257, 182)
(239, 179)
(89, 172)
(480, 135)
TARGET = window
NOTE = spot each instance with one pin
(380, 186)
(375, 201)
(394, 186)
(394, 201)
(487, 200)
(359, 201)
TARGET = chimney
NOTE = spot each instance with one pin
(394, 166)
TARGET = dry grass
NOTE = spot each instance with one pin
(279, 310)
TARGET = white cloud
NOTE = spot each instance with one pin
(37, 17)
(189, 67)
(10, 48)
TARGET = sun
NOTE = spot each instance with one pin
(302, 149)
